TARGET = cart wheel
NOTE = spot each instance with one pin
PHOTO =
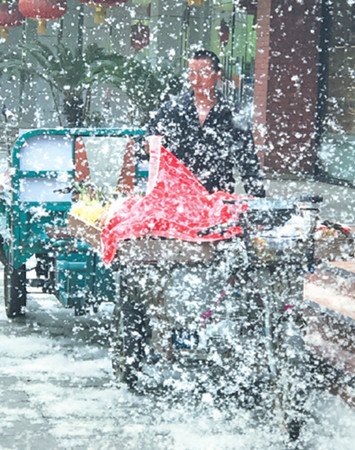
(127, 340)
(294, 428)
(14, 290)
(293, 380)
(285, 355)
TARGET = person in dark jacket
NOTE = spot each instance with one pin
(206, 133)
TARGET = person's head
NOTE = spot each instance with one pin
(204, 71)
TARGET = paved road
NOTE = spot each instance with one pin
(57, 392)
(338, 201)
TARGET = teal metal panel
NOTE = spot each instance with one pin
(79, 273)
(103, 282)
(72, 275)
(28, 230)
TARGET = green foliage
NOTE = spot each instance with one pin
(72, 76)
(146, 87)
(58, 65)
(68, 73)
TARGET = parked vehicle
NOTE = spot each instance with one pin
(34, 208)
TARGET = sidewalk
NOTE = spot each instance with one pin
(338, 204)
(331, 287)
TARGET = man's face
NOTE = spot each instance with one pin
(201, 75)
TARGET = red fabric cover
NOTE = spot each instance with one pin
(177, 207)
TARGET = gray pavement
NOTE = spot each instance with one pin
(338, 204)
(57, 392)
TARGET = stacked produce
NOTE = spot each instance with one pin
(90, 205)
(333, 241)
(88, 210)
(93, 206)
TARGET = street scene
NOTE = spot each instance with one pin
(177, 224)
(57, 391)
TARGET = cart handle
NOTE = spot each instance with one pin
(302, 199)
(220, 228)
(311, 198)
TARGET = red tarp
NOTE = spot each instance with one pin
(176, 206)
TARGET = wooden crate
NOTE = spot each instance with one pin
(147, 250)
(334, 247)
(84, 231)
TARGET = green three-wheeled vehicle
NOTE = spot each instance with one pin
(44, 169)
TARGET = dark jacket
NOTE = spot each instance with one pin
(210, 151)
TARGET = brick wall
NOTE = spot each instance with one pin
(286, 84)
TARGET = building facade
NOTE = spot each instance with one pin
(290, 63)
(305, 87)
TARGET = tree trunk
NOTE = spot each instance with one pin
(73, 109)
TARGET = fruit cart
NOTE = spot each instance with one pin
(220, 317)
(44, 169)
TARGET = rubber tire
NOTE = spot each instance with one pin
(285, 285)
(127, 340)
(15, 294)
(292, 369)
